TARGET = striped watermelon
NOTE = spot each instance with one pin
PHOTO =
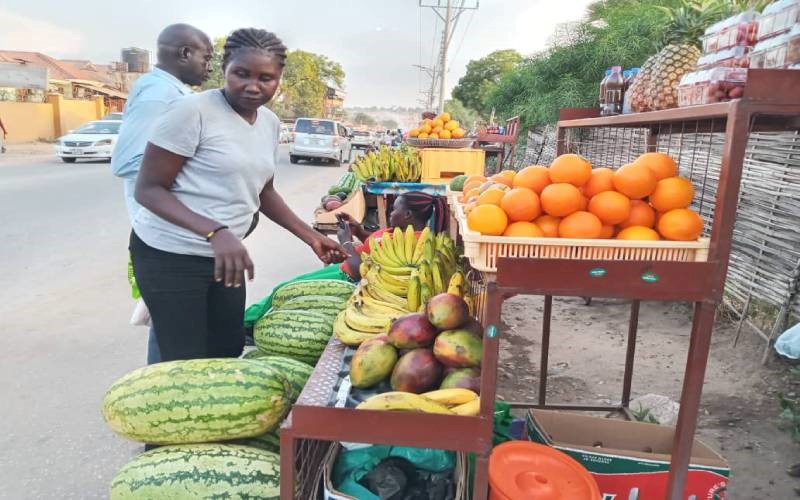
(187, 472)
(333, 288)
(300, 335)
(327, 304)
(271, 441)
(197, 400)
(295, 371)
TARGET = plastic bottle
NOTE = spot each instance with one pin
(602, 96)
(615, 88)
(626, 100)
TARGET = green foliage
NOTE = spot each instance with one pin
(305, 79)
(790, 411)
(482, 76)
(643, 415)
(216, 78)
(364, 119)
(466, 117)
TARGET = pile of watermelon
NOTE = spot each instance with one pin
(218, 419)
(340, 192)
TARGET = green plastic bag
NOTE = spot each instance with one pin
(260, 308)
(352, 465)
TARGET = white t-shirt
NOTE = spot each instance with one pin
(228, 163)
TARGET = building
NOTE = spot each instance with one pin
(333, 103)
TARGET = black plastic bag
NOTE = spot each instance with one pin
(396, 478)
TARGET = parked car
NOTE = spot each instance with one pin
(317, 138)
(286, 134)
(94, 140)
(363, 139)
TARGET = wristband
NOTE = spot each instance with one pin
(215, 231)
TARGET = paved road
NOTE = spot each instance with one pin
(65, 307)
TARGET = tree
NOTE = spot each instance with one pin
(216, 78)
(465, 116)
(305, 80)
(482, 75)
(364, 120)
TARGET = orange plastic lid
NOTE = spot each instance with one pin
(521, 470)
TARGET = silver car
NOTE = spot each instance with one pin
(363, 139)
(320, 139)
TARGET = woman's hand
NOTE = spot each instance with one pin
(328, 250)
(231, 259)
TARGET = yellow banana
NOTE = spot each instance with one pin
(363, 268)
(377, 254)
(414, 293)
(469, 409)
(374, 280)
(399, 242)
(470, 304)
(419, 249)
(357, 320)
(451, 397)
(348, 335)
(371, 305)
(410, 243)
(456, 284)
(393, 278)
(428, 252)
(425, 277)
(388, 249)
(402, 272)
(403, 401)
(387, 296)
(436, 274)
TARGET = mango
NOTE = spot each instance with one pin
(458, 349)
(416, 371)
(465, 378)
(412, 331)
(447, 311)
(373, 361)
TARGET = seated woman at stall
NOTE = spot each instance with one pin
(409, 209)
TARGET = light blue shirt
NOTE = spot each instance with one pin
(147, 101)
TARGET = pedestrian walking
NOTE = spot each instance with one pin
(208, 167)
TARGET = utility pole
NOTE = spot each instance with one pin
(449, 13)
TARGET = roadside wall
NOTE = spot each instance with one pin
(28, 121)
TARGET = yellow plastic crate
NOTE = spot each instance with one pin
(440, 165)
(483, 251)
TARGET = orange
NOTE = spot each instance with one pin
(469, 207)
(561, 199)
(521, 204)
(491, 197)
(672, 192)
(475, 177)
(549, 225)
(523, 229)
(584, 203)
(451, 125)
(599, 182)
(468, 186)
(572, 169)
(469, 194)
(437, 130)
(641, 214)
(438, 122)
(445, 134)
(422, 135)
(458, 133)
(607, 231)
(433, 135)
(487, 219)
(638, 233)
(580, 225)
(680, 224)
(413, 132)
(533, 177)
(445, 117)
(610, 207)
(635, 181)
(426, 128)
(486, 185)
(661, 164)
(502, 178)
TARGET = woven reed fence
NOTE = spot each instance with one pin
(763, 282)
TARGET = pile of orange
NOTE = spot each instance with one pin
(441, 127)
(644, 200)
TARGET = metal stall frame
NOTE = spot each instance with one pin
(771, 103)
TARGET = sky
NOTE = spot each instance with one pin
(377, 42)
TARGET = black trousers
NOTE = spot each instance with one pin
(193, 316)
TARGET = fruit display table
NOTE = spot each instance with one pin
(771, 103)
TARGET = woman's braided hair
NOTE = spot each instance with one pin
(427, 208)
(253, 38)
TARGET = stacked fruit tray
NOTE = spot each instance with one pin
(441, 143)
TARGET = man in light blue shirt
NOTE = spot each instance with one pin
(184, 56)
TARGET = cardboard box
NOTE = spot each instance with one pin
(629, 460)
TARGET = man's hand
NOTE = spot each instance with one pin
(328, 250)
(231, 259)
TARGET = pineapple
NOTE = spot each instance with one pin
(656, 86)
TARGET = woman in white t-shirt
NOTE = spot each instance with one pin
(207, 170)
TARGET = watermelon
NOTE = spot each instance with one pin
(457, 184)
(197, 400)
(300, 335)
(295, 371)
(334, 288)
(318, 303)
(271, 441)
(192, 471)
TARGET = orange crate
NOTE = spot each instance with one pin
(483, 251)
(440, 165)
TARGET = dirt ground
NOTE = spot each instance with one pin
(739, 415)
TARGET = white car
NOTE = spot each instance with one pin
(363, 139)
(93, 140)
(286, 134)
(317, 138)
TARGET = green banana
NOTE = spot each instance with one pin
(414, 288)
(438, 279)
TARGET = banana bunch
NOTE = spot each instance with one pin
(400, 165)
(443, 401)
